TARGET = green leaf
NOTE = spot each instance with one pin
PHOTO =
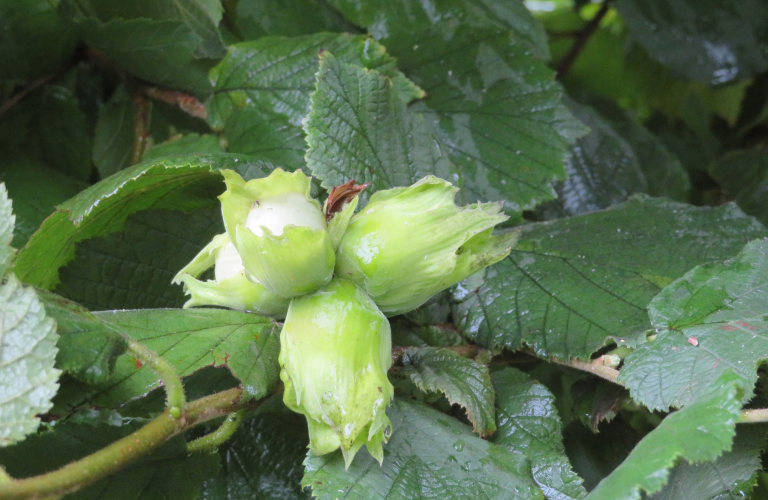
(742, 176)
(391, 20)
(266, 134)
(260, 18)
(28, 380)
(35, 200)
(360, 129)
(166, 473)
(603, 169)
(700, 432)
(722, 306)
(50, 127)
(191, 339)
(7, 222)
(180, 183)
(184, 144)
(595, 456)
(463, 381)
(730, 476)
(262, 90)
(134, 268)
(263, 459)
(429, 455)
(404, 333)
(492, 102)
(618, 158)
(528, 423)
(664, 173)
(569, 285)
(88, 347)
(33, 39)
(129, 33)
(113, 139)
(275, 74)
(27, 353)
(708, 41)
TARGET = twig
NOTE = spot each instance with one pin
(595, 367)
(165, 372)
(141, 127)
(185, 102)
(108, 460)
(215, 438)
(31, 87)
(581, 40)
(754, 416)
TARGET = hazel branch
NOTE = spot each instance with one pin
(114, 457)
(581, 39)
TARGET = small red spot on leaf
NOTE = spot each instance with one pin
(730, 328)
(138, 364)
(693, 341)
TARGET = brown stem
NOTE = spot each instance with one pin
(141, 127)
(188, 103)
(581, 40)
(595, 367)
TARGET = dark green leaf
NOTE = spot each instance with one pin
(88, 347)
(405, 333)
(133, 268)
(491, 101)
(262, 90)
(180, 183)
(710, 321)
(34, 200)
(266, 134)
(129, 34)
(184, 144)
(28, 379)
(594, 456)
(528, 423)
(50, 127)
(728, 477)
(463, 381)
(191, 339)
(603, 169)
(664, 174)
(697, 433)
(571, 284)
(742, 175)
(391, 20)
(33, 40)
(167, 473)
(114, 134)
(263, 459)
(360, 129)
(429, 455)
(706, 40)
(260, 18)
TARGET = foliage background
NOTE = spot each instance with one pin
(627, 138)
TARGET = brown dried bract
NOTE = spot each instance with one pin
(340, 196)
